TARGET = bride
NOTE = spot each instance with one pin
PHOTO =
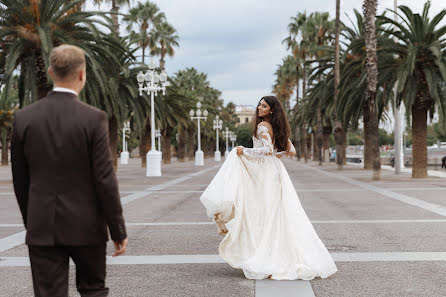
(255, 206)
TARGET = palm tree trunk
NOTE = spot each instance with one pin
(190, 144)
(319, 140)
(308, 144)
(369, 7)
(144, 144)
(167, 134)
(181, 143)
(43, 86)
(298, 143)
(304, 144)
(114, 16)
(162, 62)
(113, 136)
(210, 146)
(297, 90)
(326, 143)
(314, 144)
(21, 84)
(419, 143)
(368, 157)
(339, 133)
(5, 148)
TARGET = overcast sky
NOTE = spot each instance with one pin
(238, 43)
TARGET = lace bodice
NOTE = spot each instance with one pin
(263, 145)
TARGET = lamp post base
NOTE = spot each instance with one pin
(226, 154)
(153, 163)
(217, 156)
(199, 158)
(124, 157)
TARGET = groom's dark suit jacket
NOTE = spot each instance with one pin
(63, 173)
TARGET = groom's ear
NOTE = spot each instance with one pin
(50, 72)
(81, 73)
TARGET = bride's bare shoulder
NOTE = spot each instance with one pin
(267, 125)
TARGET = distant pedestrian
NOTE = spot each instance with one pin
(443, 162)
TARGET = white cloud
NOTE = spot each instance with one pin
(238, 43)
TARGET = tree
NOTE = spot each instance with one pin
(339, 133)
(143, 16)
(8, 107)
(114, 10)
(163, 39)
(29, 31)
(421, 73)
(371, 115)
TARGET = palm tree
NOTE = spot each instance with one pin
(29, 35)
(421, 73)
(287, 78)
(163, 39)
(194, 85)
(352, 102)
(299, 28)
(175, 105)
(113, 120)
(338, 131)
(144, 16)
(323, 35)
(8, 106)
(114, 10)
(371, 115)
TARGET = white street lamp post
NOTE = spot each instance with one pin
(125, 153)
(199, 155)
(218, 124)
(233, 138)
(226, 134)
(154, 83)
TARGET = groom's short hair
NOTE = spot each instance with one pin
(65, 61)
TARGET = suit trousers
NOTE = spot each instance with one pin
(50, 266)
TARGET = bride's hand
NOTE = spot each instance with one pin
(239, 150)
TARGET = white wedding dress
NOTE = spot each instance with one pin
(255, 206)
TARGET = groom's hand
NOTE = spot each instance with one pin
(239, 150)
(120, 247)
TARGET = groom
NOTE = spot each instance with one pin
(65, 183)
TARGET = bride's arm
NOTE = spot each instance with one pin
(290, 151)
(267, 149)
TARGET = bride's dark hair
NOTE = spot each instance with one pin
(278, 120)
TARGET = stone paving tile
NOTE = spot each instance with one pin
(384, 279)
(396, 237)
(172, 240)
(364, 205)
(6, 231)
(436, 198)
(9, 210)
(355, 279)
(164, 207)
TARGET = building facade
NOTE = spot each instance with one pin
(245, 114)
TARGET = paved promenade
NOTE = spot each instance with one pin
(388, 238)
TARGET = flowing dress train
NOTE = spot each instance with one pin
(255, 206)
